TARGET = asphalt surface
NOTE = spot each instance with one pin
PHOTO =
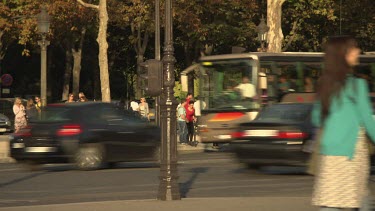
(194, 200)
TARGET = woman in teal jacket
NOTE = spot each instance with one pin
(344, 113)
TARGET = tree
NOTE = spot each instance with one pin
(70, 23)
(138, 15)
(14, 22)
(358, 20)
(307, 23)
(275, 33)
(205, 27)
(103, 47)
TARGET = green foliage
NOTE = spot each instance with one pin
(312, 21)
(358, 19)
(178, 93)
(214, 23)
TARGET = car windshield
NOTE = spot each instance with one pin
(285, 112)
(54, 114)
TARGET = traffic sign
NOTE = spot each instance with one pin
(6, 80)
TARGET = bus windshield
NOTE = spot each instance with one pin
(229, 84)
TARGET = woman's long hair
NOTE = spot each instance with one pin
(335, 71)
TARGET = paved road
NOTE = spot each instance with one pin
(214, 174)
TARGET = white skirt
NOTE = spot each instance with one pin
(341, 182)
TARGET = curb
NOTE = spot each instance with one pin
(185, 204)
(7, 160)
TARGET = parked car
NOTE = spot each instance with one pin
(88, 134)
(278, 135)
(5, 124)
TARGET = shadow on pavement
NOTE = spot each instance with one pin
(274, 170)
(21, 179)
(185, 187)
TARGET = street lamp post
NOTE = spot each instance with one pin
(262, 30)
(168, 187)
(43, 27)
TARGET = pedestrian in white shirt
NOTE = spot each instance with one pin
(246, 89)
(134, 105)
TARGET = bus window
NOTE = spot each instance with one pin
(290, 76)
(229, 84)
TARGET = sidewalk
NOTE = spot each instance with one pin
(186, 204)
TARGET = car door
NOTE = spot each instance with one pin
(98, 130)
(134, 137)
(119, 134)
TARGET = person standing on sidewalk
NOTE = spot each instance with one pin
(143, 109)
(181, 119)
(31, 112)
(190, 121)
(134, 105)
(19, 115)
(38, 103)
(70, 98)
(343, 112)
(82, 97)
(189, 97)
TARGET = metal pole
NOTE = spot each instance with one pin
(168, 187)
(43, 70)
(157, 55)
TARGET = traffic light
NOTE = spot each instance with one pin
(151, 75)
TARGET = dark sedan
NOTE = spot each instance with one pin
(88, 134)
(279, 135)
(5, 124)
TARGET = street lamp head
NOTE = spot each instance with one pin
(262, 30)
(43, 21)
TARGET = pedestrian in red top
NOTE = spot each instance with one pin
(189, 97)
(190, 120)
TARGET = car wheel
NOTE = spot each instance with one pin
(89, 157)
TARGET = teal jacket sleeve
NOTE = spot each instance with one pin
(315, 114)
(365, 110)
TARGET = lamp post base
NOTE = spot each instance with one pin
(168, 187)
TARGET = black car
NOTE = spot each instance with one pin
(279, 135)
(88, 134)
(5, 124)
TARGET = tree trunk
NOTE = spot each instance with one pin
(3, 48)
(138, 88)
(275, 33)
(103, 54)
(67, 74)
(103, 47)
(77, 56)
